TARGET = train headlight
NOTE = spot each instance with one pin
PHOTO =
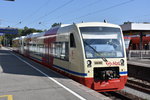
(89, 63)
(122, 62)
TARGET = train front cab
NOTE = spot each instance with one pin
(102, 53)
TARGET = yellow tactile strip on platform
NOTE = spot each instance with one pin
(8, 97)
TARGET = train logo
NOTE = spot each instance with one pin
(114, 63)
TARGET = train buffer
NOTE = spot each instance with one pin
(27, 80)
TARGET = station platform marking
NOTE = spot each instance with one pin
(50, 78)
(8, 97)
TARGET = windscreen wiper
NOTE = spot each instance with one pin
(103, 58)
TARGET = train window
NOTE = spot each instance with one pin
(102, 42)
(40, 49)
(53, 49)
(72, 40)
(134, 46)
(146, 46)
(60, 50)
(64, 51)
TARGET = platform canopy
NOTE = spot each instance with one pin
(8, 31)
(135, 28)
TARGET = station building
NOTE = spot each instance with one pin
(136, 35)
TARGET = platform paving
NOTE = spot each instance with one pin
(139, 68)
(140, 62)
(23, 79)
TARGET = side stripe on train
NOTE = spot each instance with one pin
(73, 72)
(123, 72)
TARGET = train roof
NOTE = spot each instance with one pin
(17, 38)
(38, 34)
(22, 37)
(96, 24)
(31, 35)
(84, 24)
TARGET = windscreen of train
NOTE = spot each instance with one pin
(102, 42)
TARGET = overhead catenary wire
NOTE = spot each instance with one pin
(102, 10)
(33, 13)
(37, 21)
(2, 21)
(37, 10)
(54, 10)
(145, 16)
(43, 25)
(77, 10)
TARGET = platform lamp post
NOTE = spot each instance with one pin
(141, 43)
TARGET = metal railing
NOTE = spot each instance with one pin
(139, 54)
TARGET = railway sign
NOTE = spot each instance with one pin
(8, 30)
(1, 34)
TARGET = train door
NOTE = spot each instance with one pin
(48, 53)
(45, 49)
(73, 60)
(46, 57)
(48, 45)
(50, 56)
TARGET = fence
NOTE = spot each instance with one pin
(139, 54)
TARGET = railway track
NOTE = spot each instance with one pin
(116, 96)
(136, 84)
(121, 95)
(139, 86)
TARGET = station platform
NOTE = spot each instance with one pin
(139, 68)
(23, 79)
(140, 62)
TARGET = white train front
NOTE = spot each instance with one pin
(91, 53)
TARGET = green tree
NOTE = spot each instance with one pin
(21, 32)
(27, 31)
(56, 24)
(1, 38)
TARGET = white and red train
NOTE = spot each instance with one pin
(132, 42)
(91, 53)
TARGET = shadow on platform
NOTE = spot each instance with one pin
(11, 65)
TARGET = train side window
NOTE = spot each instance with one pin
(64, 51)
(72, 41)
(67, 51)
(134, 46)
(60, 50)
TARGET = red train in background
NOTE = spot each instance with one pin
(132, 42)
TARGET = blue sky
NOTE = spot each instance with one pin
(41, 14)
